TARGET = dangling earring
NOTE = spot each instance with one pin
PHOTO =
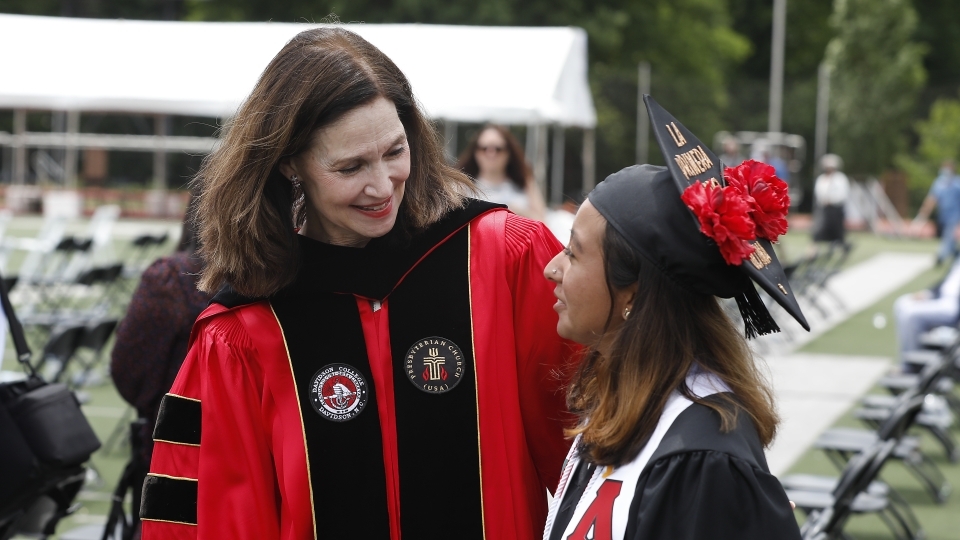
(295, 181)
(626, 313)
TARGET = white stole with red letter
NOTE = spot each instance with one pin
(603, 510)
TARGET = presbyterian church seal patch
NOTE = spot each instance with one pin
(338, 392)
(434, 365)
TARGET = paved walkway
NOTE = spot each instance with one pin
(814, 390)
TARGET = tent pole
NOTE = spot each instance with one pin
(556, 168)
(71, 152)
(19, 149)
(160, 155)
(774, 117)
(540, 157)
(530, 147)
(450, 139)
(589, 160)
(823, 115)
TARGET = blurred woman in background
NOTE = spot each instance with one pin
(495, 160)
(831, 191)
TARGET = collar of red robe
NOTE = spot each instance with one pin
(372, 271)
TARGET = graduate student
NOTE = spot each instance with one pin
(673, 414)
(380, 361)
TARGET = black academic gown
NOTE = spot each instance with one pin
(700, 484)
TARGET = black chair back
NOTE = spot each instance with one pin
(63, 342)
(61, 347)
(930, 375)
(859, 473)
(903, 415)
(97, 334)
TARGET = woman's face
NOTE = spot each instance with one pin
(492, 153)
(583, 301)
(353, 175)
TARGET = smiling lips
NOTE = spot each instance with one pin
(560, 303)
(377, 210)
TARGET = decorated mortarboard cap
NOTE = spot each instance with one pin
(707, 229)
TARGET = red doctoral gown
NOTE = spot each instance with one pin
(407, 389)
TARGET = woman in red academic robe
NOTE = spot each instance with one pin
(380, 360)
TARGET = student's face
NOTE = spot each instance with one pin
(353, 175)
(583, 300)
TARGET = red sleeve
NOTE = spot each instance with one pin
(543, 357)
(236, 490)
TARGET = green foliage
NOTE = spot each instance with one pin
(940, 133)
(877, 75)
(806, 38)
(939, 139)
(939, 27)
(108, 9)
(808, 33)
(30, 7)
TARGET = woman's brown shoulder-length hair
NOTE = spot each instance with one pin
(247, 210)
(619, 398)
(518, 171)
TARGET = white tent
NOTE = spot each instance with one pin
(510, 75)
(459, 73)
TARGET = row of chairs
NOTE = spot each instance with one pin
(80, 343)
(810, 278)
(69, 301)
(97, 291)
(810, 275)
(917, 400)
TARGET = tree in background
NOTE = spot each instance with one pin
(109, 9)
(939, 139)
(808, 33)
(877, 74)
(939, 28)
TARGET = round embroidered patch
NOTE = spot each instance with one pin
(338, 392)
(434, 365)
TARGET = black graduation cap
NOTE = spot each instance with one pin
(643, 203)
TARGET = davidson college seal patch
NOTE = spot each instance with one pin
(434, 365)
(338, 392)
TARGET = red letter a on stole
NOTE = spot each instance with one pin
(599, 516)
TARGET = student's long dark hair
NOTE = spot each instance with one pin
(619, 398)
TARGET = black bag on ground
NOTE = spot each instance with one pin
(42, 430)
(50, 420)
(17, 463)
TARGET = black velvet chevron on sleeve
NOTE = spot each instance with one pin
(169, 499)
(178, 421)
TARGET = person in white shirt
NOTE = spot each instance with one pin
(495, 160)
(830, 191)
(915, 313)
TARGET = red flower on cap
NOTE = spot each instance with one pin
(724, 216)
(766, 194)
